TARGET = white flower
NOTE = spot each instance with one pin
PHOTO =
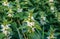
(10, 15)
(8, 25)
(51, 37)
(4, 28)
(48, 37)
(52, 9)
(33, 29)
(5, 3)
(42, 22)
(5, 32)
(32, 18)
(43, 18)
(19, 10)
(30, 23)
(51, 0)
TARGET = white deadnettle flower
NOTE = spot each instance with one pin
(4, 28)
(32, 18)
(6, 32)
(30, 23)
(51, 0)
(52, 9)
(42, 21)
(51, 37)
(43, 18)
(48, 37)
(10, 15)
(33, 29)
(19, 10)
(5, 3)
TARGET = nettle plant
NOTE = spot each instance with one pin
(29, 19)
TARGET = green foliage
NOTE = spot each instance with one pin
(29, 19)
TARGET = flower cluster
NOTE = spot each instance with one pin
(5, 28)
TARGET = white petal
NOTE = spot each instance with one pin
(52, 8)
(42, 22)
(48, 37)
(30, 24)
(5, 3)
(2, 25)
(19, 10)
(5, 32)
(33, 29)
(51, 0)
(10, 15)
(43, 18)
(32, 18)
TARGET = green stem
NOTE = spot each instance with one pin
(43, 33)
(18, 33)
